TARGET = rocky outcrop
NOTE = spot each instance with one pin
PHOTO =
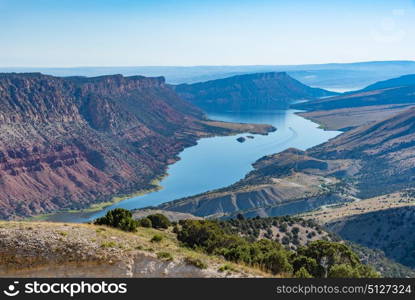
(251, 91)
(138, 265)
(68, 142)
(29, 249)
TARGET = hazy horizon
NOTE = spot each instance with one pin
(201, 66)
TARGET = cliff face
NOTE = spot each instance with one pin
(69, 142)
(251, 91)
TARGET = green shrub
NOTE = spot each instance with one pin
(227, 267)
(196, 262)
(176, 229)
(240, 217)
(328, 254)
(208, 236)
(335, 259)
(366, 271)
(283, 227)
(159, 221)
(201, 234)
(307, 263)
(285, 240)
(302, 273)
(315, 260)
(156, 238)
(164, 256)
(277, 262)
(145, 222)
(119, 218)
(295, 230)
(343, 271)
(108, 244)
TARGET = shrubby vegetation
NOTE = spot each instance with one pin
(156, 238)
(123, 219)
(119, 218)
(145, 222)
(165, 256)
(196, 262)
(159, 221)
(237, 241)
(250, 228)
(227, 268)
(318, 259)
(331, 259)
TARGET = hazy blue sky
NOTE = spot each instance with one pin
(211, 32)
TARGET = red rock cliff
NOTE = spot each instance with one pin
(69, 142)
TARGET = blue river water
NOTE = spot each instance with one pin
(220, 161)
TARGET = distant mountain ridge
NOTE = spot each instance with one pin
(344, 76)
(250, 91)
(393, 91)
(406, 80)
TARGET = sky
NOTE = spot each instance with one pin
(74, 33)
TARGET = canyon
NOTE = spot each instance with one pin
(358, 184)
(66, 143)
(368, 161)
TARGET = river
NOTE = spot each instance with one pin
(220, 161)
